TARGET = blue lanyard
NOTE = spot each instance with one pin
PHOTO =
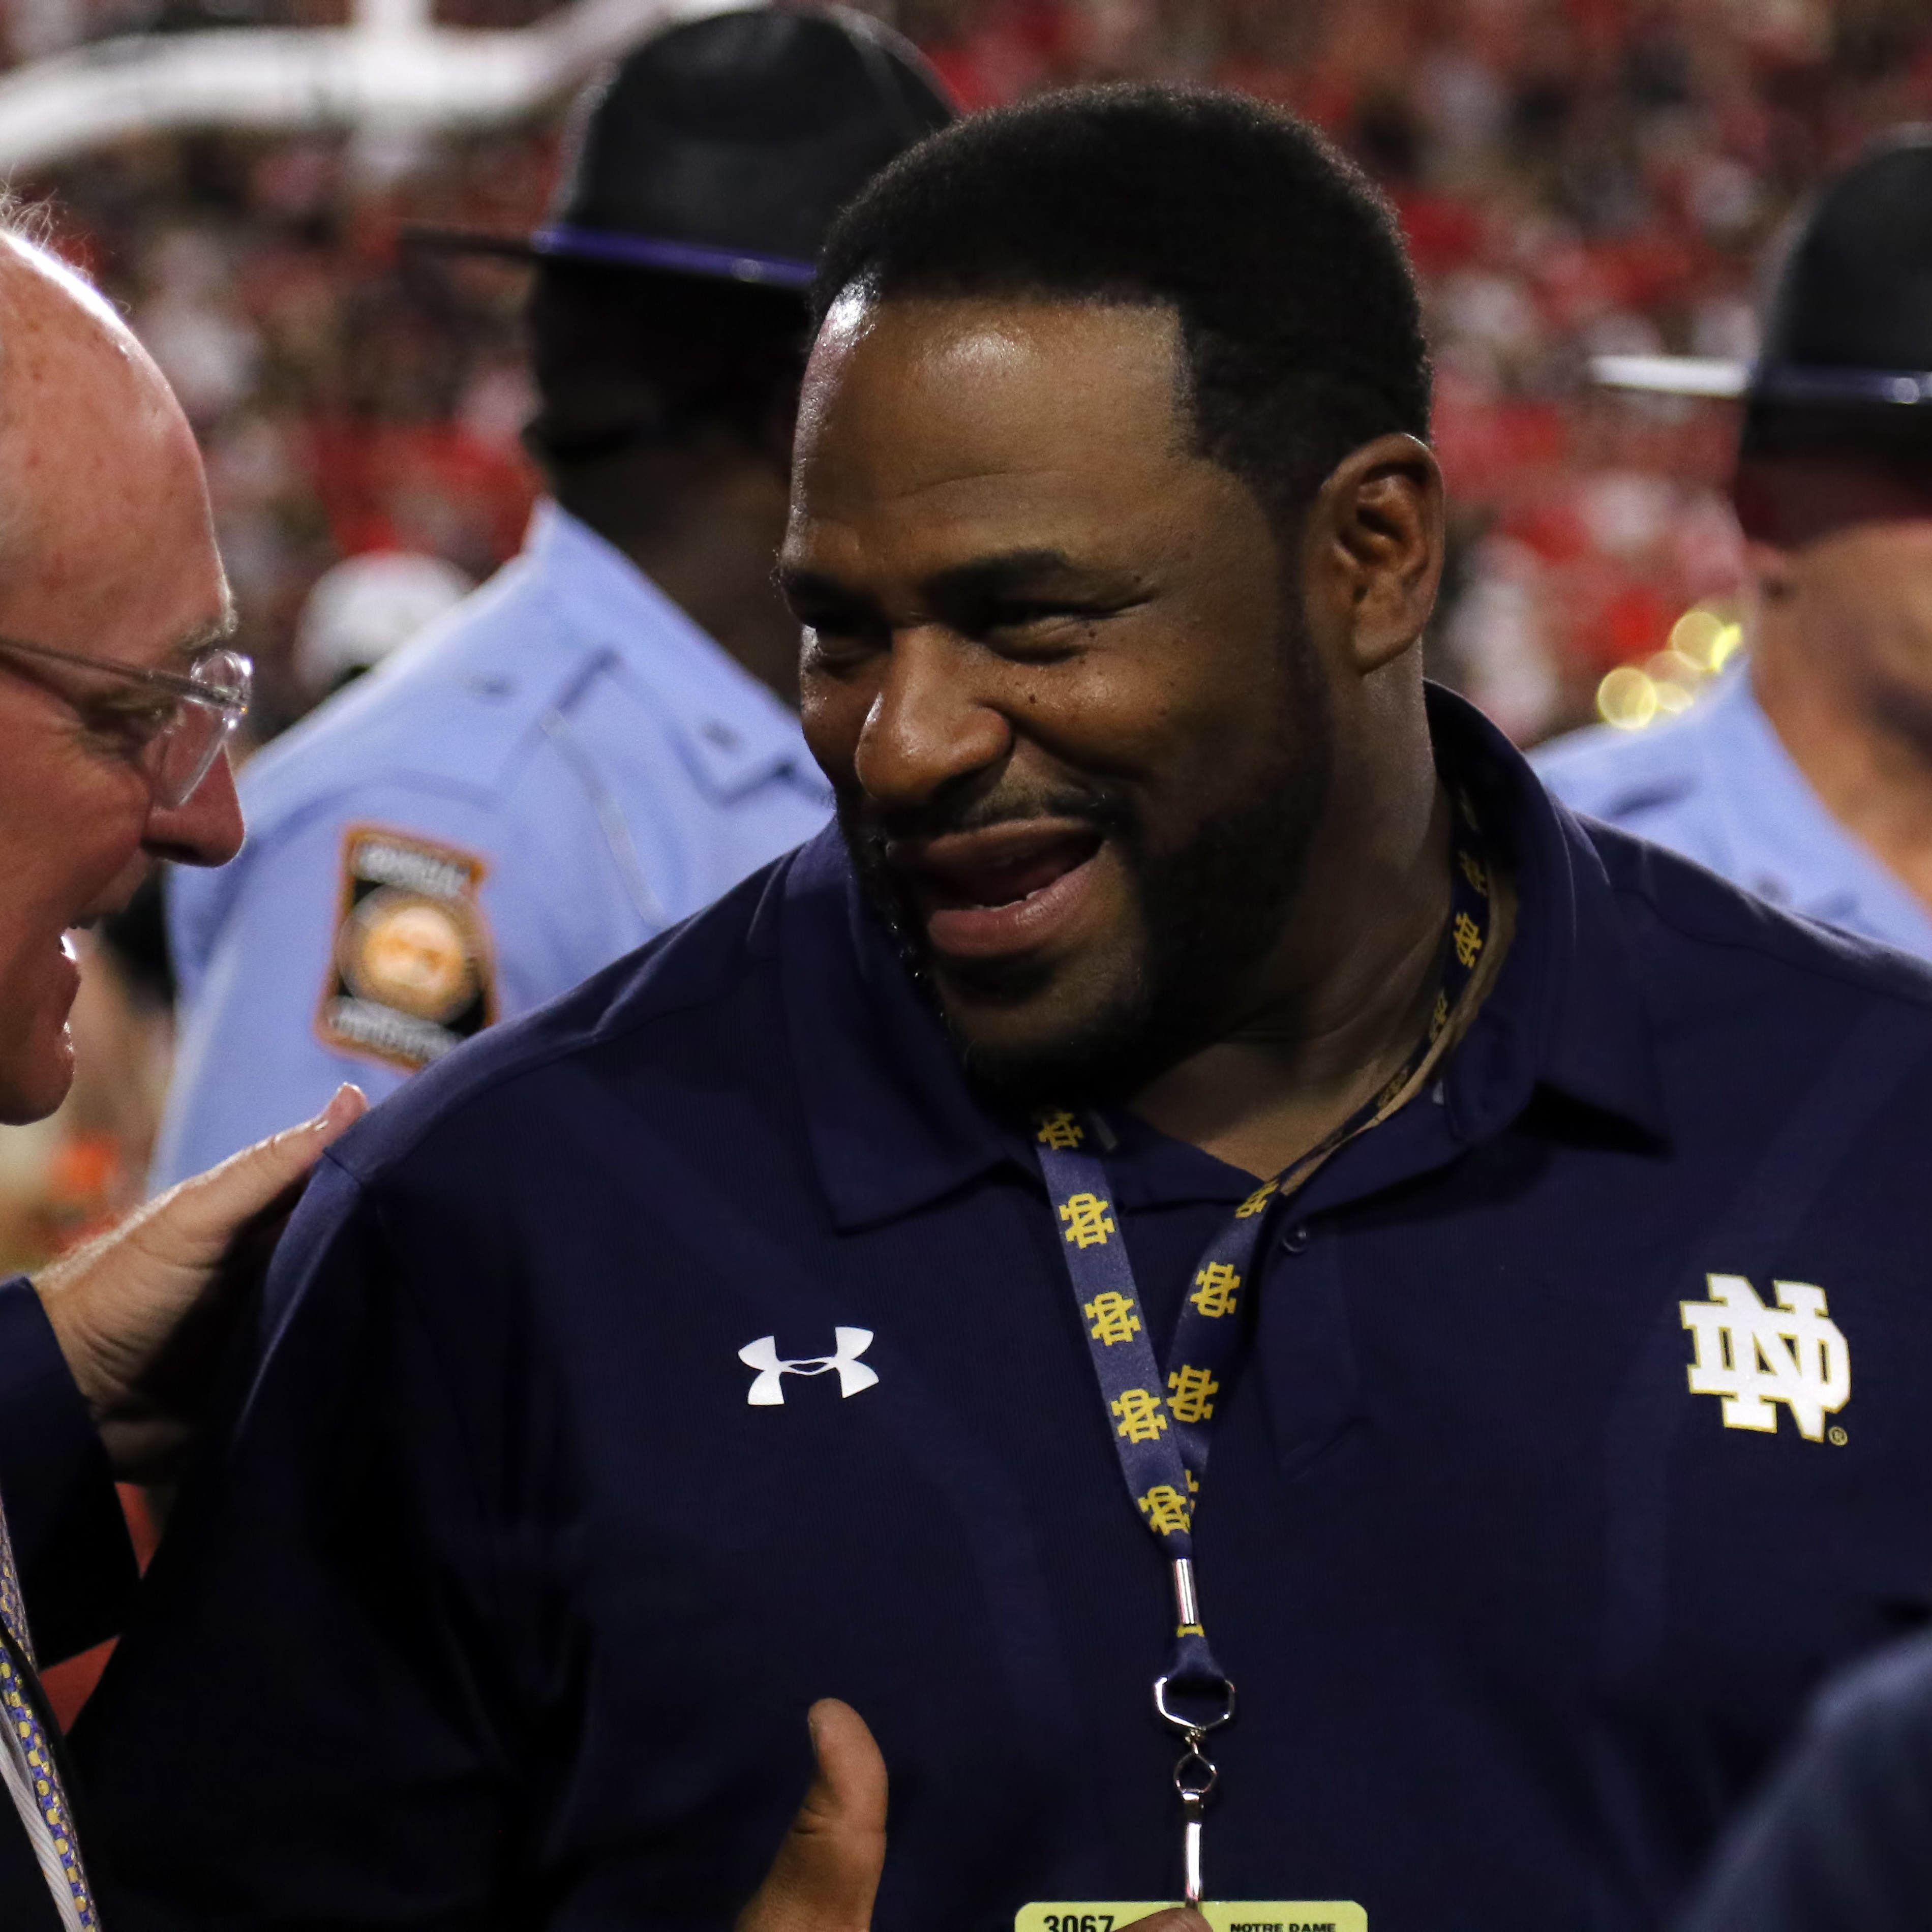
(1161, 1423)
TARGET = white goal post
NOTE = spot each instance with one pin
(390, 72)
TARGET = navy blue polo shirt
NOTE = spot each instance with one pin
(503, 1603)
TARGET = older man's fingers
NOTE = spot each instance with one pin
(826, 1872)
(192, 1224)
(142, 1313)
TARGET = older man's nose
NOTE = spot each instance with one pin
(207, 830)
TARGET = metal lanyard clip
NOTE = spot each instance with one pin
(1195, 1778)
(1195, 1775)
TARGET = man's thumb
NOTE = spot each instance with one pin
(826, 1872)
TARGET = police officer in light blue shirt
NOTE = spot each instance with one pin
(1805, 774)
(598, 742)
(1717, 783)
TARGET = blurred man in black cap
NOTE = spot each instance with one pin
(603, 739)
(1806, 773)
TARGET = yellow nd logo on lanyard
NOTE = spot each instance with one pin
(1160, 1410)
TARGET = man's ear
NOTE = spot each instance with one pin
(1372, 549)
(1770, 568)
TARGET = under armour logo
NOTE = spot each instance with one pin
(768, 1385)
(1754, 1356)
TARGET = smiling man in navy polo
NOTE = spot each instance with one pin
(1197, 1035)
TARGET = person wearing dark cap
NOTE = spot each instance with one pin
(604, 738)
(1805, 773)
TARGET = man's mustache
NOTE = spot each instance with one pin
(1102, 808)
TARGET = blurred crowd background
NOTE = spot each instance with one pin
(1576, 177)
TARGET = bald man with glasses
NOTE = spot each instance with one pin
(117, 696)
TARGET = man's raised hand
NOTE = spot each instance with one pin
(827, 1873)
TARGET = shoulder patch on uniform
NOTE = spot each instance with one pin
(410, 974)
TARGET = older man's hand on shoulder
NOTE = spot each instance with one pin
(142, 1312)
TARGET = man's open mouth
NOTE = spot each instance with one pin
(1001, 889)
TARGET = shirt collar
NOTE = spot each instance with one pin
(893, 1126)
(891, 1120)
(1566, 1012)
(735, 732)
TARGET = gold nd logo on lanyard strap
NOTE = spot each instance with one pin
(1160, 1415)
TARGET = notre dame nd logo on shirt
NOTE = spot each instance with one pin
(410, 976)
(1756, 1355)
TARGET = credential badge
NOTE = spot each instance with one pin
(767, 1387)
(1755, 1357)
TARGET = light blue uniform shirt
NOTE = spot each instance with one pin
(1716, 783)
(562, 767)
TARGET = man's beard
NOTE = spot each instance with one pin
(1209, 912)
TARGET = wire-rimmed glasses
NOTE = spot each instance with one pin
(175, 745)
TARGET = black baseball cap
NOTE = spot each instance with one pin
(722, 148)
(1837, 428)
(1849, 319)
(1849, 322)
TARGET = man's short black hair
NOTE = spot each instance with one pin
(1298, 308)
